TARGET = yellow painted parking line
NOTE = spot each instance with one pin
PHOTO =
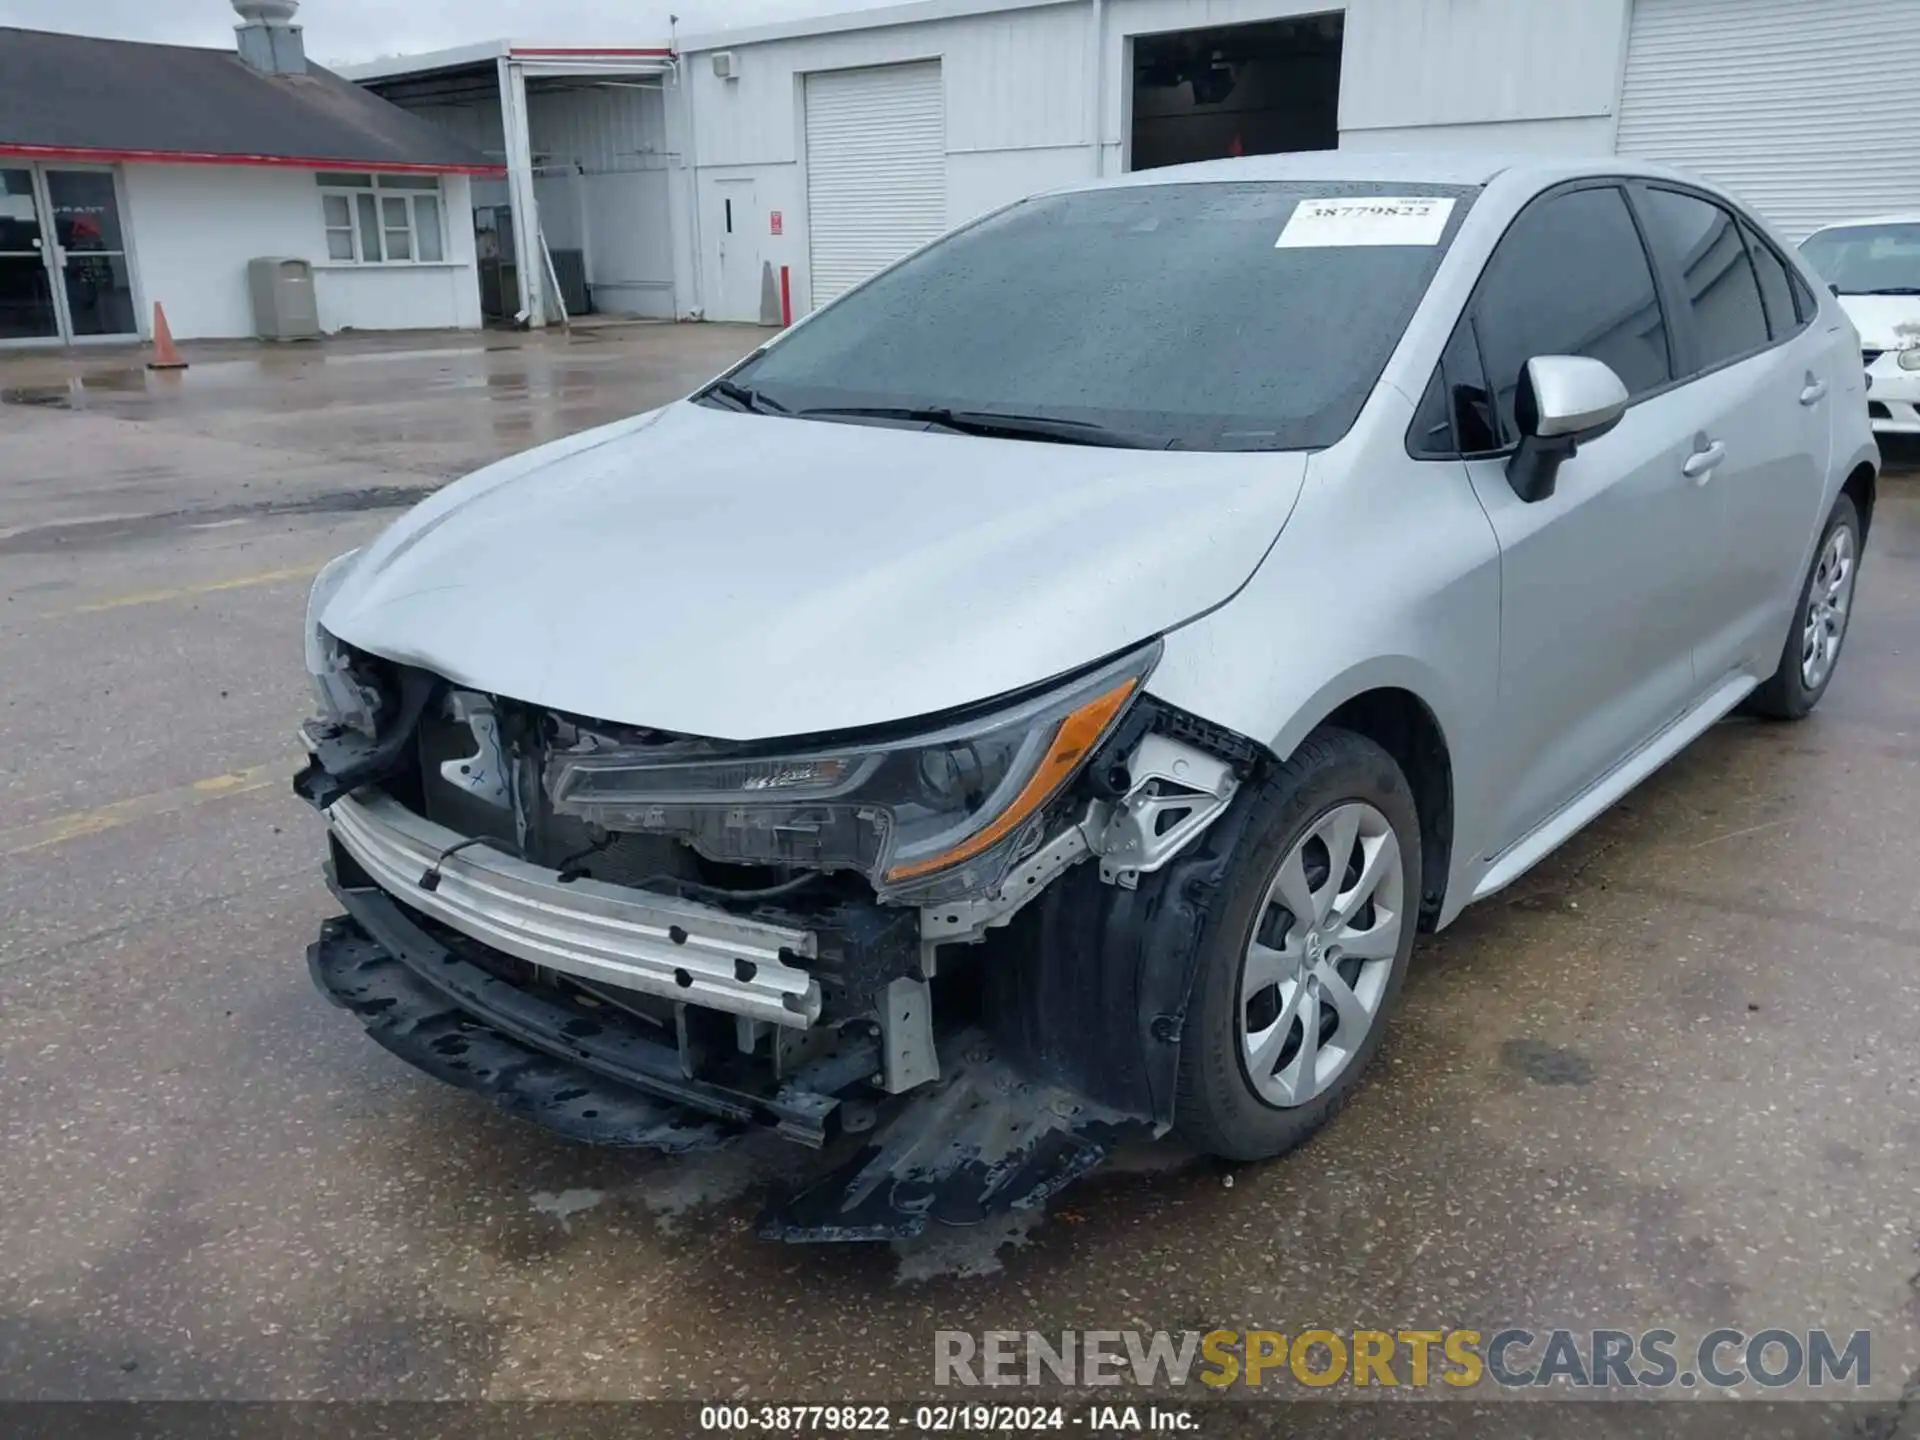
(62, 828)
(187, 592)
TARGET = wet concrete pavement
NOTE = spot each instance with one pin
(1671, 1079)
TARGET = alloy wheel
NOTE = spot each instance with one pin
(1316, 969)
(1829, 601)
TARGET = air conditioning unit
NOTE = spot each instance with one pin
(726, 65)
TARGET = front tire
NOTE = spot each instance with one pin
(1812, 651)
(1295, 983)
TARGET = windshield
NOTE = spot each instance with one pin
(1867, 259)
(1171, 315)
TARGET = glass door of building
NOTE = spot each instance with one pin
(27, 311)
(63, 257)
(91, 253)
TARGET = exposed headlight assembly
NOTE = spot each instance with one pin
(342, 697)
(927, 817)
(1909, 358)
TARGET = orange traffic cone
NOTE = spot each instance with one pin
(166, 355)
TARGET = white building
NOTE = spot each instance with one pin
(132, 174)
(825, 148)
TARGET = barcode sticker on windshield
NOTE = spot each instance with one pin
(1366, 220)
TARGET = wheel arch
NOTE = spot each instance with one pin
(1391, 705)
(1862, 487)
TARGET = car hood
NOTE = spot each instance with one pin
(747, 576)
(1885, 322)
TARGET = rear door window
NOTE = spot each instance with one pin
(1776, 289)
(1571, 277)
(1702, 244)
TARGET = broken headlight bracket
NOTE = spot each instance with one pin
(1177, 791)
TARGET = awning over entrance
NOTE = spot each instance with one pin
(500, 73)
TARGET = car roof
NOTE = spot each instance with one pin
(1910, 217)
(1431, 167)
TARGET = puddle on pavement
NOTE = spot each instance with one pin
(48, 397)
(72, 394)
(117, 381)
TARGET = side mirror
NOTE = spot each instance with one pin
(1563, 401)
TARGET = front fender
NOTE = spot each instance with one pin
(1091, 990)
(1387, 576)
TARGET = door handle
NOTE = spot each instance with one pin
(1815, 392)
(1702, 463)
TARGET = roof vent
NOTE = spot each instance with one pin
(269, 40)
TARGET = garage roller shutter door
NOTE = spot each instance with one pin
(876, 170)
(1805, 108)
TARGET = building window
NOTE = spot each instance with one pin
(378, 219)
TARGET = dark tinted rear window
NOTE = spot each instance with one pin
(1775, 288)
(1721, 288)
(1167, 310)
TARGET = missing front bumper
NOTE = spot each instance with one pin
(404, 981)
(983, 1140)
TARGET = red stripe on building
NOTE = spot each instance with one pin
(588, 51)
(272, 162)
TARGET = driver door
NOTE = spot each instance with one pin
(1601, 581)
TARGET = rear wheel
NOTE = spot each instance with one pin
(1812, 651)
(1296, 981)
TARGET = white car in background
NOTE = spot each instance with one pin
(1874, 267)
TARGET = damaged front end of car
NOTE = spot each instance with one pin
(954, 956)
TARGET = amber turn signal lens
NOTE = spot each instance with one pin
(1077, 734)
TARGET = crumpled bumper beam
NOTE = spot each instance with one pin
(675, 949)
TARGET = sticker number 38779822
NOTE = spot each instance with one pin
(1366, 220)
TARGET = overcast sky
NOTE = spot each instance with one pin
(345, 30)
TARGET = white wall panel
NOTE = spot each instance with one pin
(602, 126)
(1455, 62)
(1589, 135)
(983, 180)
(195, 227)
(630, 261)
(475, 121)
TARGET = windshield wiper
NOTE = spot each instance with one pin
(995, 422)
(743, 396)
(1884, 290)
